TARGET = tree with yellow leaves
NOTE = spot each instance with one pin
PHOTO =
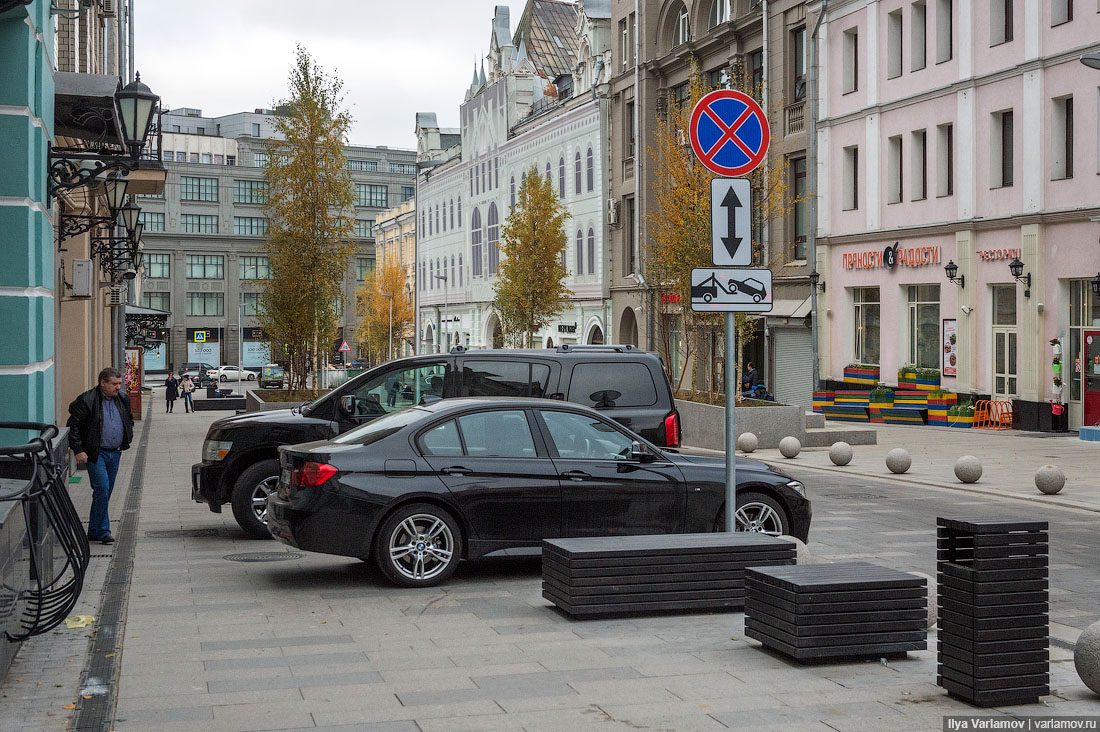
(311, 221)
(383, 287)
(680, 238)
(531, 291)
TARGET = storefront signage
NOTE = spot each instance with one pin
(567, 328)
(891, 257)
(673, 297)
(950, 347)
(990, 255)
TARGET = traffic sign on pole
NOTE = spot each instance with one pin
(724, 289)
(729, 132)
(731, 222)
(344, 347)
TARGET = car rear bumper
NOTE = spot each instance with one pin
(340, 527)
(206, 479)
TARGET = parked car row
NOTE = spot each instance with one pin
(424, 461)
(204, 372)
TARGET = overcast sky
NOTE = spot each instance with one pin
(396, 57)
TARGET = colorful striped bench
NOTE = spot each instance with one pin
(905, 415)
(846, 413)
(857, 398)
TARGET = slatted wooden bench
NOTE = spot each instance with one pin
(905, 415)
(846, 413)
(640, 574)
(814, 612)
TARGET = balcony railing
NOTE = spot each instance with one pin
(796, 118)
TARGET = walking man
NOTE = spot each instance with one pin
(100, 428)
(171, 392)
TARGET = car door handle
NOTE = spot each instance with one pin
(456, 470)
(576, 475)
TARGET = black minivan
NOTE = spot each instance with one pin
(240, 455)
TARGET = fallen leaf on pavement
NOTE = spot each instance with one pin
(69, 706)
(79, 621)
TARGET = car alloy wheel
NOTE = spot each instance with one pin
(259, 497)
(418, 545)
(249, 497)
(759, 517)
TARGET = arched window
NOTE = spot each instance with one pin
(577, 174)
(591, 251)
(429, 223)
(460, 269)
(561, 177)
(579, 269)
(496, 172)
(475, 243)
(549, 178)
(681, 33)
(444, 227)
(460, 210)
(453, 280)
(494, 238)
(719, 12)
(452, 213)
(431, 276)
(512, 197)
(591, 170)
(471, 181)
(437, 227)
(440, 271)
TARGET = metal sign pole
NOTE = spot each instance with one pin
(731, 423)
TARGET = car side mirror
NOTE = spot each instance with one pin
(640, 453)
(347, 405)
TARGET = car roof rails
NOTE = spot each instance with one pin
(613, 348)
(458, 350)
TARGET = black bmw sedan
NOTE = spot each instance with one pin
(422, 488)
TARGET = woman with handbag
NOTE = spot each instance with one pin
(187, 388)
(171, 391)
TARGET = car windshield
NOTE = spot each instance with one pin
(380, 428)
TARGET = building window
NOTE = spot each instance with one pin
(471, 181)
(437, 226)
(255, 129)
(894, 44)
(945, 160)
(591, 251)
(756, 72)
(249, 225)
(407, 192)
(230, 160)
(198, 189)
(460, 269)
(259, 159)
(475, 242)
(1000, 21)
(894, 170)
(1061, 141)
(624, 45)
(918, 33)
(403, 168)
(851, 178)
(219, 160)
(944, 29)
(253, 267)
(590, 168)
(512, 193)
(577, 174)
(631, 131)
(181, 157)
(167, 156)
(1001, 173)
(193, 157)
(364, 228)
(919, 165)
(363, 267)
(363, 166)
(801, 208)
(368, 194)
(561, 177)
(460, 210)
(924, 326)
(579, 268)
(549, 175)
(867, 324)
(158, 266)
(250, 191)
(719, 12)
(851, 60)
(680, 94)
(496, 172)
(152, 221)
(206, 303)
(494, 239)
(798, 63)
(206, 159)
(1061, 11)
(250, 304)
(719, 78)
(452, 213)
(629, 240)
(198, 224)
(681, 33)
(157, 300)
(205, 266)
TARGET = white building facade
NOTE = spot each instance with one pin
(541, 105)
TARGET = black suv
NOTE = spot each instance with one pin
(240, 459)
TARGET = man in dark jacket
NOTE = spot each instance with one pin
(100, 428)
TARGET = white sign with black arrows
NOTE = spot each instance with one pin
(731, 222)
(723, 289)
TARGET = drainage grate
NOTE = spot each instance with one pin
(181, 533)
(853, 496)
(262, 557)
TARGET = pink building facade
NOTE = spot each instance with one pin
(965, 132)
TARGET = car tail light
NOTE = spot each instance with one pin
(672, 429)
(312, 474)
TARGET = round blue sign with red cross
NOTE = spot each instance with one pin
(729, 132)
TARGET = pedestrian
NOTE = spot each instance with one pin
(171, 391)
(749, 378)
(392, 387)
(187, 388)
(100, 428)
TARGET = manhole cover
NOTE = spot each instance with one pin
(181, 533)
(853, 496)
(262, 557)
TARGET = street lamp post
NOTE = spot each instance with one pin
(389, 353)
(445, 305)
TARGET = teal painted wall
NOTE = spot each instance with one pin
(26, 234)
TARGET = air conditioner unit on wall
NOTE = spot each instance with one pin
(108, 6)
(115, 296)
(83, 274)
(612, 212)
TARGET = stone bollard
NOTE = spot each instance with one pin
(898, 460)
(968, 469)
(747, 442)
(1086, 657)
(840, 453)
(789, 447)
(1049, 479)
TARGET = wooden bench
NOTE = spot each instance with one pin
(814, 612)
(905, 415)
(845, 413)
(639, 574)
(992, 581)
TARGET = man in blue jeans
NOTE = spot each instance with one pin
(100, 428)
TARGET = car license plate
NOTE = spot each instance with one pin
(284, 484)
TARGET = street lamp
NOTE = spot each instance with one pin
(952, 271)
(1095, 282)
(136, 105)
(389, 353)
(129, 215)
(815, 278)
(1016, 268)
(1092, 60)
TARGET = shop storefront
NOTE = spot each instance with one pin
(204, 345)
(256, 349)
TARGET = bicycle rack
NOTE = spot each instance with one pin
(50, 600)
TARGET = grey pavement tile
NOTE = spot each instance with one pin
(450, 677)
(302, 661)
(401, 726)
(563, 719)
(154, 718)
(293, 682)
(134, 687)
(334, 714)
(247, 717)
(172, 701)
(222, 607)
(310, 640)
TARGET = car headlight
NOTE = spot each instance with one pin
(214, 450)
(797, 487)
